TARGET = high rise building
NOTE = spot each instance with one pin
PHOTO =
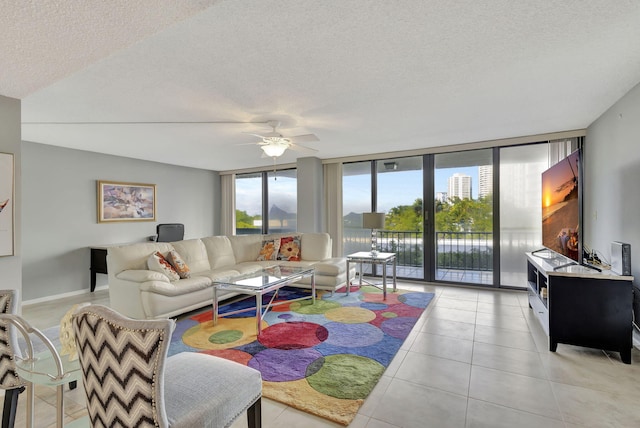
(441, 196)
(460, 186)
(485, 180)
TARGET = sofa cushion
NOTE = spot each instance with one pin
(141, 276)
(194, 253)
(158, 263)
(219, 274)
(177, 288)
(219, 251)
(178, 264)
(246, 247)
(250, 267)
(331, 267)
(290, 248)
(133, 256)
(317, 246)
(269, 249)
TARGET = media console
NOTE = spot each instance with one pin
(579, 306)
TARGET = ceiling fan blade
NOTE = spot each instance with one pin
(255, 135)
(249, 144)
(301, 148)
(306, 138)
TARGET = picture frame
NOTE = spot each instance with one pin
(121, 201)
(7, 197)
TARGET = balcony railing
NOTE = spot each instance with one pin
(472, 251)
(456, 251)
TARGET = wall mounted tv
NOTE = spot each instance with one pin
(561, 207)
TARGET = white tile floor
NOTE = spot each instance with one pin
(476, 358)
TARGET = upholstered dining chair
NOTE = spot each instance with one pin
(129, 380)
(9, 379)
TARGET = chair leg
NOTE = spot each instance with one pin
(254, 414)
(10, 406)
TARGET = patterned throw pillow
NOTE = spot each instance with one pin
(158, 263)
(289, 249)
(178, 264)
(269, 249)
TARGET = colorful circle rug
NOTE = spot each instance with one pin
(322, 358)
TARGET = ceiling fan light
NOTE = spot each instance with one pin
(274, 150)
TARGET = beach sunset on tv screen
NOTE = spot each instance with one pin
(561, 207)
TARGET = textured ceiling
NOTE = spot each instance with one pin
(364, 76)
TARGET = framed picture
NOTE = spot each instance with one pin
(126, 201)
(6, 204)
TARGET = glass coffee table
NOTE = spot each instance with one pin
(260, 283)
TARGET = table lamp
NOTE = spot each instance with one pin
(373, 221)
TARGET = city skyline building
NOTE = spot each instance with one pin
(460, 186)
(485, 180)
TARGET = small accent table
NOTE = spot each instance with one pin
(374, 259)
(260, 283)
(46, 367)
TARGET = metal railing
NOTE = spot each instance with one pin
(471, 251)
(454, 250)
(464, 250)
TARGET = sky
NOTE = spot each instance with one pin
(397, 188)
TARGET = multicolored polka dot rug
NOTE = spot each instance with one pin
(324, 358)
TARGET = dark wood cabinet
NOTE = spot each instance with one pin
(580, 306)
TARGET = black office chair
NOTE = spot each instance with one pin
(170, 232)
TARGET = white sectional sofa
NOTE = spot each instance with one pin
(138, 292)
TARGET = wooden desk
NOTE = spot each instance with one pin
(99, 260)
(98, 263)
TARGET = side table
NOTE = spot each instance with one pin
(44, 368)
(374, 259)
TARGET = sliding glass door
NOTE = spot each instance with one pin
(469, 232)
(399, 196)
(393, 187)
(463, 208)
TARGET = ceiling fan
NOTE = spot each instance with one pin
(274, 144)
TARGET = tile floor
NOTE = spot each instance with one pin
(476, 358)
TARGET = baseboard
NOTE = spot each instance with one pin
(62, 296)
(636, 338)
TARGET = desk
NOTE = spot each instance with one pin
(98, 263)
(377, 259)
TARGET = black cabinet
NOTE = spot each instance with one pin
(579, 306)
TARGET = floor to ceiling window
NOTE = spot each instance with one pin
(266, 202)
(521, 168)
(463, 206)
(283, 201)
(356, 199)
(399, 196)
(394, 187)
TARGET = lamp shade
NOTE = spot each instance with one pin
(373, 220)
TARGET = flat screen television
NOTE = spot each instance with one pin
(561, 207)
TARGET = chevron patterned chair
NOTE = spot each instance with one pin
(129, 381)
(9, 380)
